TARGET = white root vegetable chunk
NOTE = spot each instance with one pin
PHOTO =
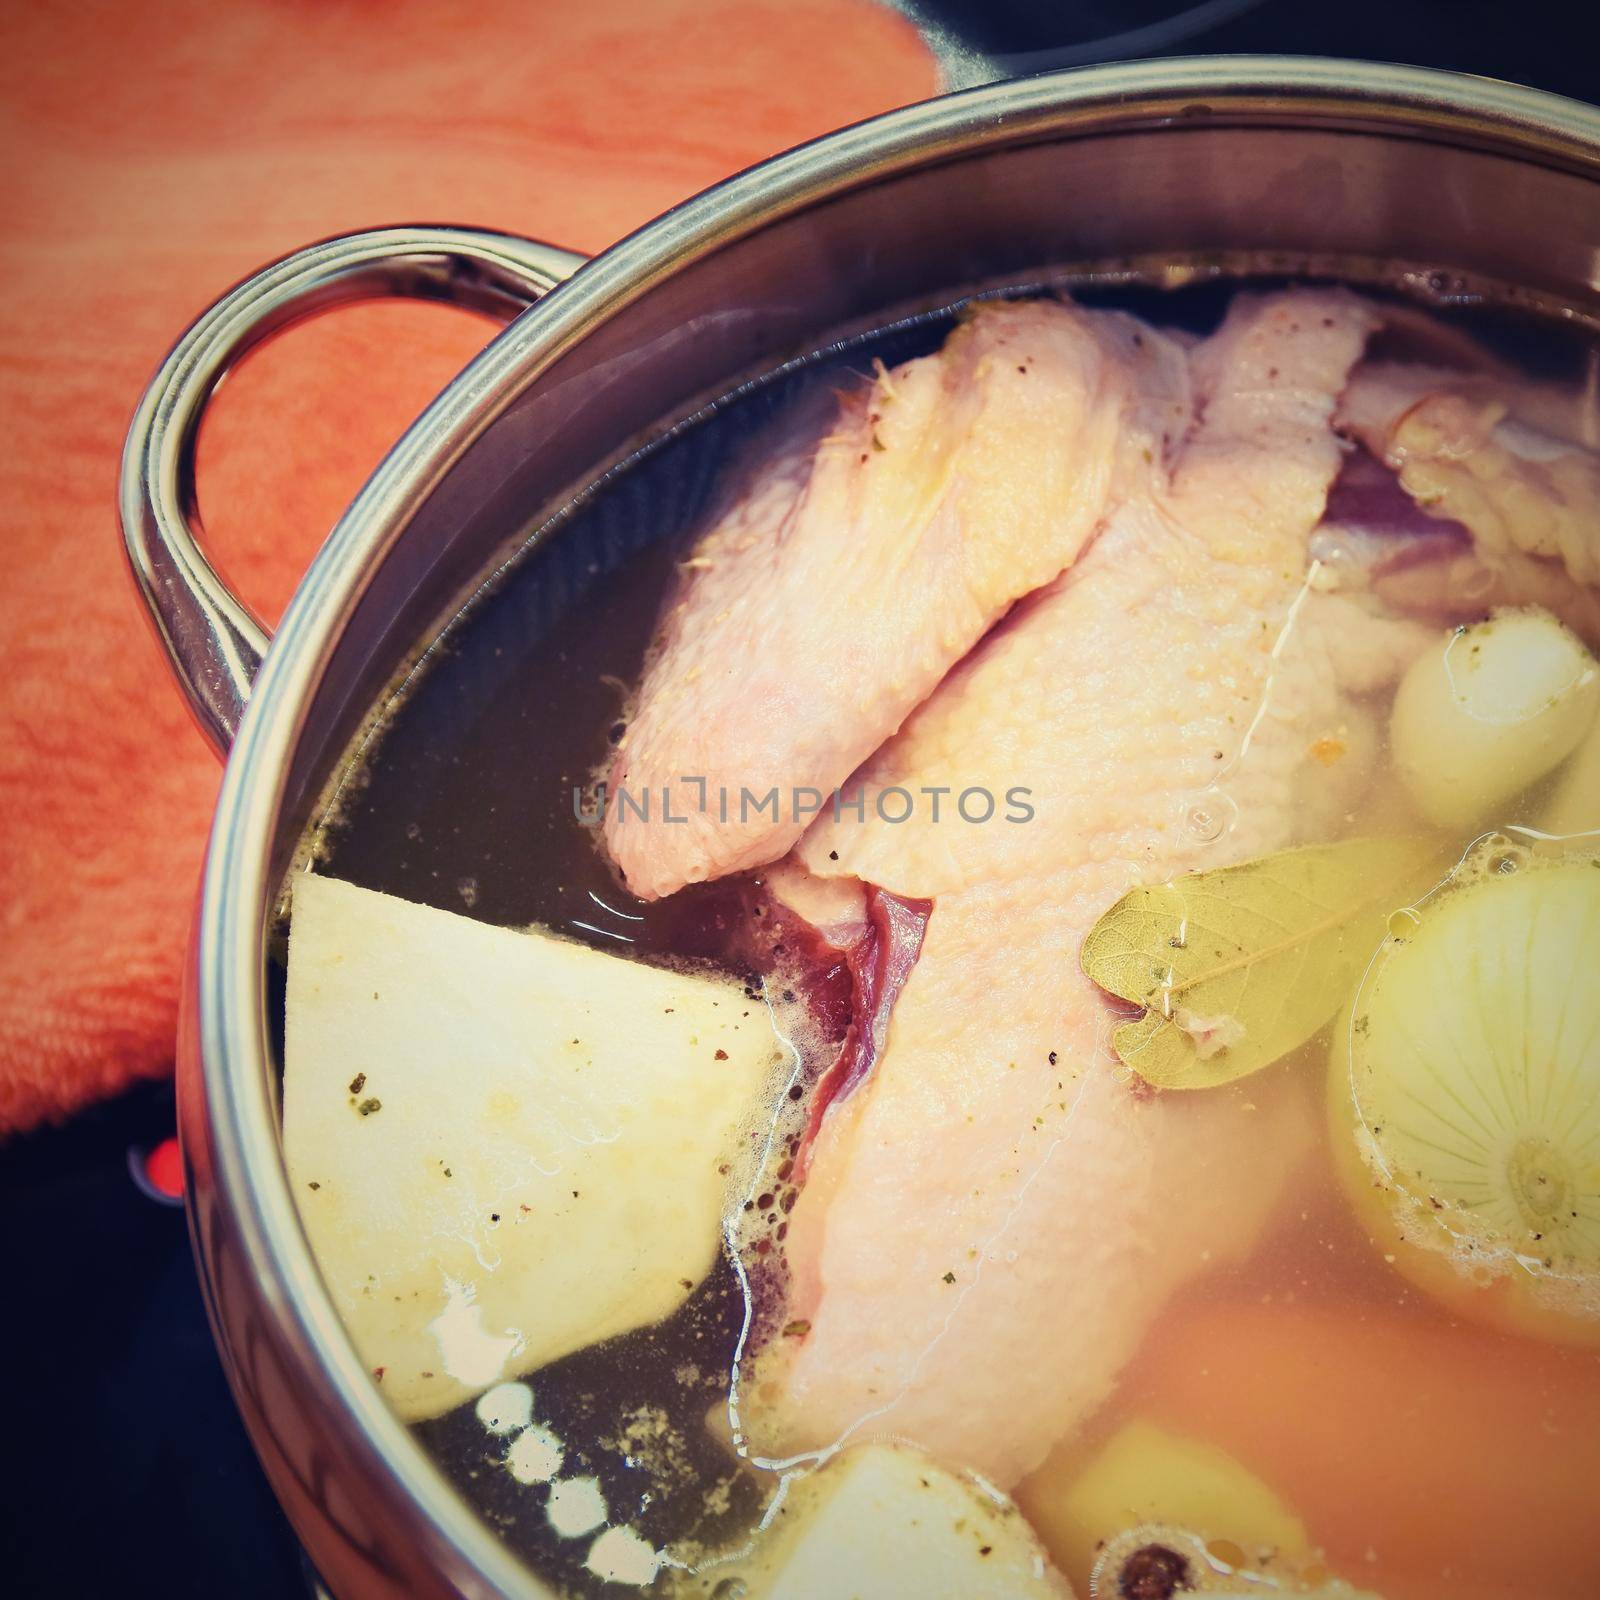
(503, 1146)
(882, 1522)
(1489, 710)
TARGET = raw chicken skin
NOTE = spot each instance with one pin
(995, 1218)
(1510, 466)
(850, 572)
(1122, 696)
(985, 1236)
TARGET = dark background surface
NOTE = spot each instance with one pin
(126, 1471)
(1546, 43)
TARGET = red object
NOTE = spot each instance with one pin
(163, 1169)
(158, 152)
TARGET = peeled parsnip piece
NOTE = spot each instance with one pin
(882, 1522)
(1575, 805)
(504, 1146)
(1489, 710)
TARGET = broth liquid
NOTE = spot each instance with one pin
(465, 801)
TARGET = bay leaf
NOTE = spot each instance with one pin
(1238, 966)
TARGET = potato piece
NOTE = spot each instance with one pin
(504, 1146)
(1160, 1559)
(882, 1522)
(1489, 710)
(1146, 1474)
(1575, 805)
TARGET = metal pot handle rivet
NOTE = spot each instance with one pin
(212, 640)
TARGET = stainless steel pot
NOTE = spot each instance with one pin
(1365, 171)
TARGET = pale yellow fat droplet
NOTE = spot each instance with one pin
(535, 1455)
(619, 1555)
(576, 1506)
(506, 1408)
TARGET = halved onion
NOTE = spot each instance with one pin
(1465, 1093)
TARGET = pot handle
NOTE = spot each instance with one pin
(212, 640)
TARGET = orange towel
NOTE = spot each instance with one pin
(156, 152)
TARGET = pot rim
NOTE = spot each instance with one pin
(229, 994)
